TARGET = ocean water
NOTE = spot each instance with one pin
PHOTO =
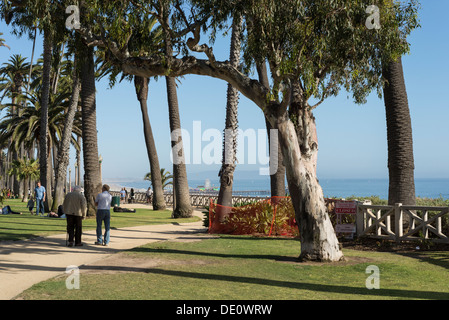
(338, 188)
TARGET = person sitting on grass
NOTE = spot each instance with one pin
(7, 210)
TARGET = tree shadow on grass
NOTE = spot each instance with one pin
(440, 259)
(317, 287)
(214, 254)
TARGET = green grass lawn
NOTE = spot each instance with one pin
(239, 267)
(25, 226)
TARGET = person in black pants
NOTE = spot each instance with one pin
(75, 209)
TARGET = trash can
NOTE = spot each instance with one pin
(115, 201)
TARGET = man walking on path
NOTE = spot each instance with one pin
(39, 192)
(75, 209)
(103, 203)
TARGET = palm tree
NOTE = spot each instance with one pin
(64, 146)
(230, 137)
(25, 169)
(24, 126)
(182, 207)
(92, 182)
(166, 177)
(277, 180)
(16, 71)
(141, 85)
(399, 135)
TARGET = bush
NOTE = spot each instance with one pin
(274, 216)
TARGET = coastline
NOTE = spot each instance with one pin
(432, 188)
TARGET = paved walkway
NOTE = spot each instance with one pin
(25, 263)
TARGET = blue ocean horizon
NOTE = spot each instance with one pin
(332, 188)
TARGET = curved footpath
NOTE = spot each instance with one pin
(25, 263)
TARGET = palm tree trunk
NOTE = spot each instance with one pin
(230, 137)
(44, 148)
(399, 135)
(277, 180)
(183, 208)
(92, 183)
(64, 147)
(141, 85)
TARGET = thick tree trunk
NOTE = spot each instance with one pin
(141, 85)
(92, 183)
(44, 147)
(399, 135)
(226, 173)
(64, 148)
(317, 235)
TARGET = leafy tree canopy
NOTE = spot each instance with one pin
(322, 45)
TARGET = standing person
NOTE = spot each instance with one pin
(75, 209)
(122, 195)
(39, 193)
(103, 203)
(149, 194)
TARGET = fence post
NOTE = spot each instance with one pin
(360, 220)
(398, 227)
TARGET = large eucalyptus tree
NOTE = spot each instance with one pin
(313, 48)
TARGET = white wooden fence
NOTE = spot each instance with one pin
(387, 222)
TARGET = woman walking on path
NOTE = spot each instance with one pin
(103, 203)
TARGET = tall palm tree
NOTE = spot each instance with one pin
(45, 177)
(141, 85)
(230, 137)
(16, 72)
(24, 126)
(92, 181)
(399, 135)
(182, 207)
(64, 146)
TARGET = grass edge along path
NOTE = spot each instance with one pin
(243, 267)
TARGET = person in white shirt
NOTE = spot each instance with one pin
(103, 203)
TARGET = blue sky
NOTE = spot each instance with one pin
(352, 138)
